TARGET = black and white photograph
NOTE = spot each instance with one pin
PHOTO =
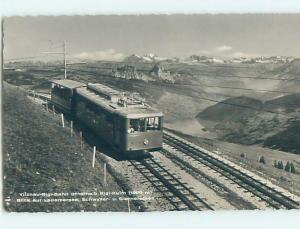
(151, 113)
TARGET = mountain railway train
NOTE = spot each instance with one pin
(121, 120)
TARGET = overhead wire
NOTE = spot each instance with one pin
(241, 88)
(250, 77)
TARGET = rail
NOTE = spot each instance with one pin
(172, 184)
(267, 193)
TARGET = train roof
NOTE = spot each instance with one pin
(69, 83)
(115, 101)
(100, 88)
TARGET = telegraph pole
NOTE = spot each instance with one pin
(2, 49)
(64, 52)
(65, 59)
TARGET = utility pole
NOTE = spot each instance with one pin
(2, 49)
(65, 59)
(64, 52)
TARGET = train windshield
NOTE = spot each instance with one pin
(144, 124)
(62, 92)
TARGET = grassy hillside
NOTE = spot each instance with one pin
(288, 71)
(40, 156)
(286, 140)
(288, 103)
(228, 111)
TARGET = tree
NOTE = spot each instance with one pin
(287, 167)
(262, 160)
(280, 165)
(293, 170)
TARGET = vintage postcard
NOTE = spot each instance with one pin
(140, 113)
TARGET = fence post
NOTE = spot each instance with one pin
(104, 174)
(94, 156)
(53, 109)
(62, 120)
(128, 203)
(71, 128)
(81, 145)
(47, 107)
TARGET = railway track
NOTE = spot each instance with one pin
(273, 197)
(174, 190)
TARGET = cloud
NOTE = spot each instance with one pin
(226, 51)
(219, 51)
(223, 48)
(108, 54)
(249, 55)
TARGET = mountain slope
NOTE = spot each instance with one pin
(232, 109)
(287, 140)
(288, 103)
(274, 123)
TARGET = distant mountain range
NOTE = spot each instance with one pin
(208, 59)
(145, 58)
(261, 59)
(153, 58)
(203, 59)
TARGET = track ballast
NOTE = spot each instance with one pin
(273, 197)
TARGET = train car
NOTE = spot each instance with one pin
(122, 120)
(62, 94)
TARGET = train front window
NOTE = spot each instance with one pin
(136, 125)
(62, 92)
(153, 123)
(144, 124)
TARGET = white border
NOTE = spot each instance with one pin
(58, 7)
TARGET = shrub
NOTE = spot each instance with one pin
(242, 155)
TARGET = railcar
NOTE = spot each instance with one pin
(62, 94)
(122, 120)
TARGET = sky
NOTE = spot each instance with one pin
(115, 37)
